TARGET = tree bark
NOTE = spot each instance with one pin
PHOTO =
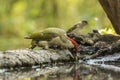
(112, 9)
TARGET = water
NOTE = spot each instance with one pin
(69, 71)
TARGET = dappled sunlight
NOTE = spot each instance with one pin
(107, 31)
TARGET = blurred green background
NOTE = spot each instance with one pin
(21, 17)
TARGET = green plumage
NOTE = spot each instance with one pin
(47, 35)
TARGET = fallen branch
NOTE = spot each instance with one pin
(26, 57)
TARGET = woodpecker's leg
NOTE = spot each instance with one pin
(46, 47)
(43, 44)
(33, 44)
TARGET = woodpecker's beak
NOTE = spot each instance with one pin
(27, 37)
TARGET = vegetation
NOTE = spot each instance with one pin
(21, 17)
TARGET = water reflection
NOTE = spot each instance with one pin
(62, 72)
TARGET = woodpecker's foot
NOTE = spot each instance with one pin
(32, 46)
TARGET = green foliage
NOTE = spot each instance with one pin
(107, 31)
(20, 17)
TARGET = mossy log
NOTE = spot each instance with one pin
(27, 57)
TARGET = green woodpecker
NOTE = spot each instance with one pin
(50, 36)
(46, 35)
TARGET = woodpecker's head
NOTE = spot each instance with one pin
(74, 43)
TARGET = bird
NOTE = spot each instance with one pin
(51, 37)
(74, 32)
(76, 29)
(46, 35)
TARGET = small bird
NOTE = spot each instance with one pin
(76, 29)
(74, 33)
